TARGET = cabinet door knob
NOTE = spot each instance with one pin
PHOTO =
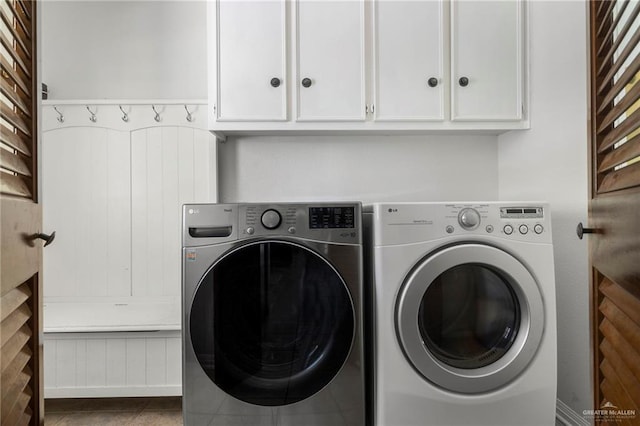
(432, 82)
(306, 82)
(581, 230)
(464, 81)
(275, 82)
(48, 239)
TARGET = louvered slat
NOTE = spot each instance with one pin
(14, 55)
(7, 89)
(15, 186)
(14, 416)
(622, 56)
(604, 23)
(624, 79)
(24, 22)
(14, 345)
(25, 6)
(14, 388)
(12, 29)
(16, 120)
(625, 326)
(626, 375)
(617, 381)
(629, 303)
(611, 28)
(613, 392)
(626, 177)
(630, 98)
(15, 141)
(13, 163)
(616, 135)
(621, 155)
(13, 299)
(14, 76)
(14, 322)
(627, 353)
(15, 367)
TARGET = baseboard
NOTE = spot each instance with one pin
(565, 416)
(112, 391)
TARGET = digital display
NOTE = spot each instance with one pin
(331, 217)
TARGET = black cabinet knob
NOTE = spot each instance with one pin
(581, 230)
(432, 82)
(275, 82)
(464, 81)
(306, 82)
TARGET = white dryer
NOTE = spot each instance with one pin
(465, 316)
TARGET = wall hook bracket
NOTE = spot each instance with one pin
(93, 117)
(125, 116)
(60, 117)
(189, 116)
(157, 117)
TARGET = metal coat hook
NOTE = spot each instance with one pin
(125, 116)
(60, 117)
(157, 117)
(189, 116)
(93, 117)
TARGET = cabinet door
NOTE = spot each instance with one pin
(409, 77)
(330, 54)
(251, 60)
(487, 51)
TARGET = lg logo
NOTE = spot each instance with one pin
(392, 210)
(194, 211)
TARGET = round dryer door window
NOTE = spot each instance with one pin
(470, 317)
(272, 323)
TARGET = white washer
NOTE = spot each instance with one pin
(465, 315)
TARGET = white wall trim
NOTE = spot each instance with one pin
(565, 416)
(114, 391)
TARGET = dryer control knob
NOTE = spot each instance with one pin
(271, 219)
(469, 218)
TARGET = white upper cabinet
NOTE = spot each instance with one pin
(486, 60)
(329, 52)
(367, 66)
(408, 60)
(251, 65)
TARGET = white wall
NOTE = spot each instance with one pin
(124, 49)
(365, 168)
(549, 162)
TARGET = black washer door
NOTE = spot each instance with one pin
(272, 323)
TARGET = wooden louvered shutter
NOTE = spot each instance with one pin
(21, 217)
(614, 208)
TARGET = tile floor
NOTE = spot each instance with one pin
(157, 411)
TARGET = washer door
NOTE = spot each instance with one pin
(272, 323)
(470, 318)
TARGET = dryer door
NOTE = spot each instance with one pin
(272, 323)
(470, 317)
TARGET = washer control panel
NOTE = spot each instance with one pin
(322, 221)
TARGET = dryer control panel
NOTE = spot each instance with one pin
(400, 223)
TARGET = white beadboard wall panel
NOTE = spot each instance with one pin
(112, 364)
(91, 254)
(169, 166)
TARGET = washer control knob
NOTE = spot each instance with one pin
(449, 229)
(508, 229)
(469, 218)
(523, 229)
(292, 230)
(271, 219)
(538, 229)
(250, 230)
(489, 228)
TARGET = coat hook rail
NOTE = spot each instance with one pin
(157, 117)
(189, 116)
(60, 117)
(93, 117)
(125, 116)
